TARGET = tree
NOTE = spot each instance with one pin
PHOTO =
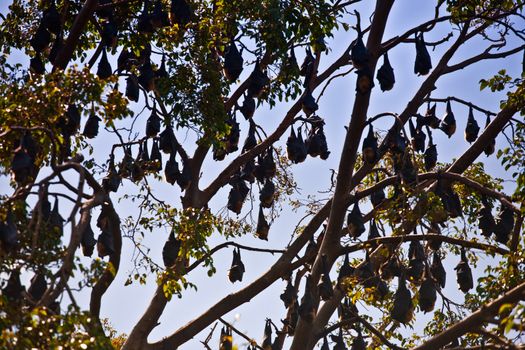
(194, 68)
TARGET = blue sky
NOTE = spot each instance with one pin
(124, 305)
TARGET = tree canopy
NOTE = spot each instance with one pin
(351, 151)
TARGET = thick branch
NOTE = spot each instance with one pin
(474, 320)
(65, 55)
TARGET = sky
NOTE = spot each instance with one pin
(124, 305)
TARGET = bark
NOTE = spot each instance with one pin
(79, 24)
(303, 333)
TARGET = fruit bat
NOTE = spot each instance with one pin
(155, 157)
(226, 339)
(464, 274)
(316, 142)
(373, 233)
(408, 171)
(250, 141)
(147, 76)
(143, 157)
(391, 268)
(450, 200)
(294, 147)
(472, 128)
(365, 80)
(369, 148)
(167, 140)
(104, 68)
(36, 65)
(396, 142)
(415, 270)
(21, 165)
(359, 342)
(313, 143)
(486, 221)
(237, 267)
(56, 48)
(257, 81)
(184, 180)
(423, 63)
(307, 68)
(293, 318)
(359, 53)
(70, 122)
(259, 171)
(378, 196)
(132, 88)
(232, 144)
(269, 164)
(491, 146)
(385, 75)
(364, 272)
(248, 107)
(124, 60)
(56, 222)
(306, 308)
(159, 18)
(448, 123)
(137, 172)
(325, 287)
(430, 156)
(418, 137)
(308, 103)
(266, 196)
(111, 181)
(104, 12)
(105, 244)
(233, 62)
(162, 73)
(28, 143)
(41, 40)
(434, 244)
(180, 12)
(289, 296)
(91, 127)
(170, 251)
(247, 171)
(171, 170)
(437, 270)
(339, 341)
(301, 148)
(153, 124)
(126, 163)
(431, 120)
(8, 233)
(144, 23)
(88, 241)
(109, 34)
(427, 294)
(237, 196)
(504, 224)
(346, 309)
(13, 289)
(37, 287)
(51, 19)
(355, 222)
(403, 308)
(416, 251)
(267, 339)
(289, 67)
(262, 226)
